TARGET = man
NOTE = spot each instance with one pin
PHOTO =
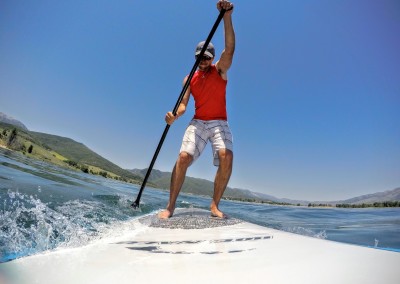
(208, 88)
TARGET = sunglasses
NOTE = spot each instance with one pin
(204, 57)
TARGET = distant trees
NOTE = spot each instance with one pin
(319, 205)
(253, 200)
(71, 163)
(85, 169)
(362, 205)
(369, 205)
(3, 135)
(12, 141)
(12, 138)
(104, 174)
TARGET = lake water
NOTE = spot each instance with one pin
(43, 207)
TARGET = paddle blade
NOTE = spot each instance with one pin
(135, 205)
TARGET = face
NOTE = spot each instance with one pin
(205, 62)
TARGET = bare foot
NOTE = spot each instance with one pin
(215, 212)
(165, 214)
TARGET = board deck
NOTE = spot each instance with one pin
(192, 247)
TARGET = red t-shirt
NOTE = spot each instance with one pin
(209, 93)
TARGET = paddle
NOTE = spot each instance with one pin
(135, 204)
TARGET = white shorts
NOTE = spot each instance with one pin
(199, 132)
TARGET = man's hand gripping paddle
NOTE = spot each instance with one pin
(136, 204)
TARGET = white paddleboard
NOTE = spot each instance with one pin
(192, 247)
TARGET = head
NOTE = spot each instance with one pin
(208, 56)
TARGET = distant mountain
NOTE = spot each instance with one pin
(206, 187)
(389, 195)
(79, 153)
(280, 200)
(10, 120)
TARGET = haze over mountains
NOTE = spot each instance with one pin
(61, 150)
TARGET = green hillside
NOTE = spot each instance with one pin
(80, 154)
(61, 151)
(202, 187)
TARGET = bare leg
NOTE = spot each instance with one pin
(221, 180)
(177, 179)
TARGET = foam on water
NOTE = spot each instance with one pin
(28, 226)
(306, 232)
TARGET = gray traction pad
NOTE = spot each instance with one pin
(191, 218)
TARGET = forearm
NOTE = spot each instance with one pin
(225, 62)
(181, 110)
(229, 35)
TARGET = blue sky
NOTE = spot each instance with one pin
(313, 93)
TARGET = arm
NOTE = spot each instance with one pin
(225, 62)
(169, 117)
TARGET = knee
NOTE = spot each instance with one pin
(225, 156)
(184, 159)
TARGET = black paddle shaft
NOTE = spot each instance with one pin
(184, 89)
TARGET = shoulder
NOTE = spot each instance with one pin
(223, 74)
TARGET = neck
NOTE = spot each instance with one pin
(205, 69)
